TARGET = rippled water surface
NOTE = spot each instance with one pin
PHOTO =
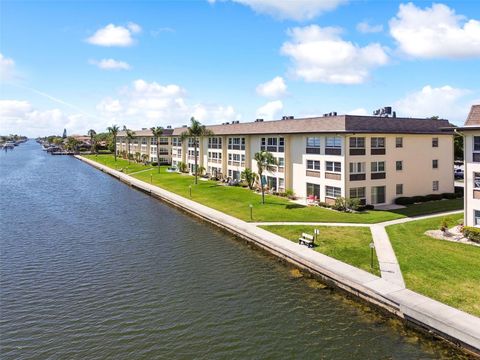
(92, 269)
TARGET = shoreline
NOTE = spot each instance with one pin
(458, 328)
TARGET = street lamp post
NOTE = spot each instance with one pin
(372, 247)
(316, 232)
(251, 211)
(190, 188)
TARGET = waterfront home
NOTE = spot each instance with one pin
(375, 159)
(471, 146)
(145, 143)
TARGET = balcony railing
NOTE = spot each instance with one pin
(377, 151)
(378, 175)
(357, 177)
(333, 151)
(357, 151)
(313, 150)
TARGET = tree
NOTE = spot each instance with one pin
(113, 130)
(249, 177)
(129, 135)
(265, 162)
(458, 147)
(157, 132)
(92, 134)
(195, 131)
(72, 143)
(144, 158)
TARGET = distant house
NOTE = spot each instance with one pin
(471, 144)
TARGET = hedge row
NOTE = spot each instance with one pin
(472, 233)
(404, 200)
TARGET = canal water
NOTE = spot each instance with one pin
(92, 269)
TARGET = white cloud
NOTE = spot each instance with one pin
(273, 88)
(435, 32)
(359, 111)
(270, 110)
(19, 117)
(291, 9)
(110, 64)
(446, 102)
(112, 35)
(320, 55)
(145, 104)
(7, 68)
(366, 28)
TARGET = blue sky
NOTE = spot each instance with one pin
(84, 65)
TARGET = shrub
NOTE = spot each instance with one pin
(369, 207)
(403, 200)
(419, 199)
(154, 163)
(472, 233)
(290, 194)
(449, 195)
(459, 191)
(433, 197)
(343, 204)
(323, 204)
(444, 224)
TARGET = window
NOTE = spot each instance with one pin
(333, 166)
(435, 185)
(281, 184)
(176, 141)
(399, 142)
(164, 141)
(214, 156)
(333, 142)
(236, 143)
(378, 194)
(357, 193)
(476, 180)
(434, 142)
(281, 162)
(399, 189)
(378, 166)
(377, 142)
(153, 141)
(144, 141)
(357, 142)
(273, 144)
(313, 145)
(476, 143)
(214, 143)
(357, 168)
(476, 217)
(399, 165)
(434, 164)
(313, 165)
(332, 191)
(313, 190)
(192, 142)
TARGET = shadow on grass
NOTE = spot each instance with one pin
(294, 206)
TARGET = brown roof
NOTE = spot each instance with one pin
(147, 132)
(473, 118)
(332, 124)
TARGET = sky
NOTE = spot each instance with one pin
(84, 65)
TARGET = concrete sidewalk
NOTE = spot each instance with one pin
(443, 320)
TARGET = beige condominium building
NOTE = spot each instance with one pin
(471, 146)
(375, 159)
(144, 143)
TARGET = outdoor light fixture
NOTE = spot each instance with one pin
(372, 247)
(251, 211)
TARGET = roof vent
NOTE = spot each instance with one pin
(258, 120)
(144, 128)
(383, 112)
(184, 125)
(169, 126)
(325, 115)
(289, 117)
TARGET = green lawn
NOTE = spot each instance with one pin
(347, 244)
(446, 271)
(235, 201)
(431, 207)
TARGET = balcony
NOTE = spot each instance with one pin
(357, 177)
(333, 151)
(312, 173)
(313, 150)
(333, 176)
(357, 151)
(476, 157)
(377, 151)
(378, 175)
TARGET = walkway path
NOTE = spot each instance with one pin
(387, 260)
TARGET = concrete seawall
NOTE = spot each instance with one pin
(443, 321)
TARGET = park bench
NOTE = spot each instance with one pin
(306, 239)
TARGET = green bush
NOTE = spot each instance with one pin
(433, 197)
(154, 163)
(419, 199)
(403, 200)
(449, 196)
(472, 233)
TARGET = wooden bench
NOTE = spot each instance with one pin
(306, 239)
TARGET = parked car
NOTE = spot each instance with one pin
(459, 174)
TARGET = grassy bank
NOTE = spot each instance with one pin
(446, 271)
(347, 244)
(235, 201)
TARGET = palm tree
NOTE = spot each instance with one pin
(92, 134)
(157, 132)
(194, 131)
(130, 135)
(249, 177)
(72, 143)
(113, 130)
(265, 162)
